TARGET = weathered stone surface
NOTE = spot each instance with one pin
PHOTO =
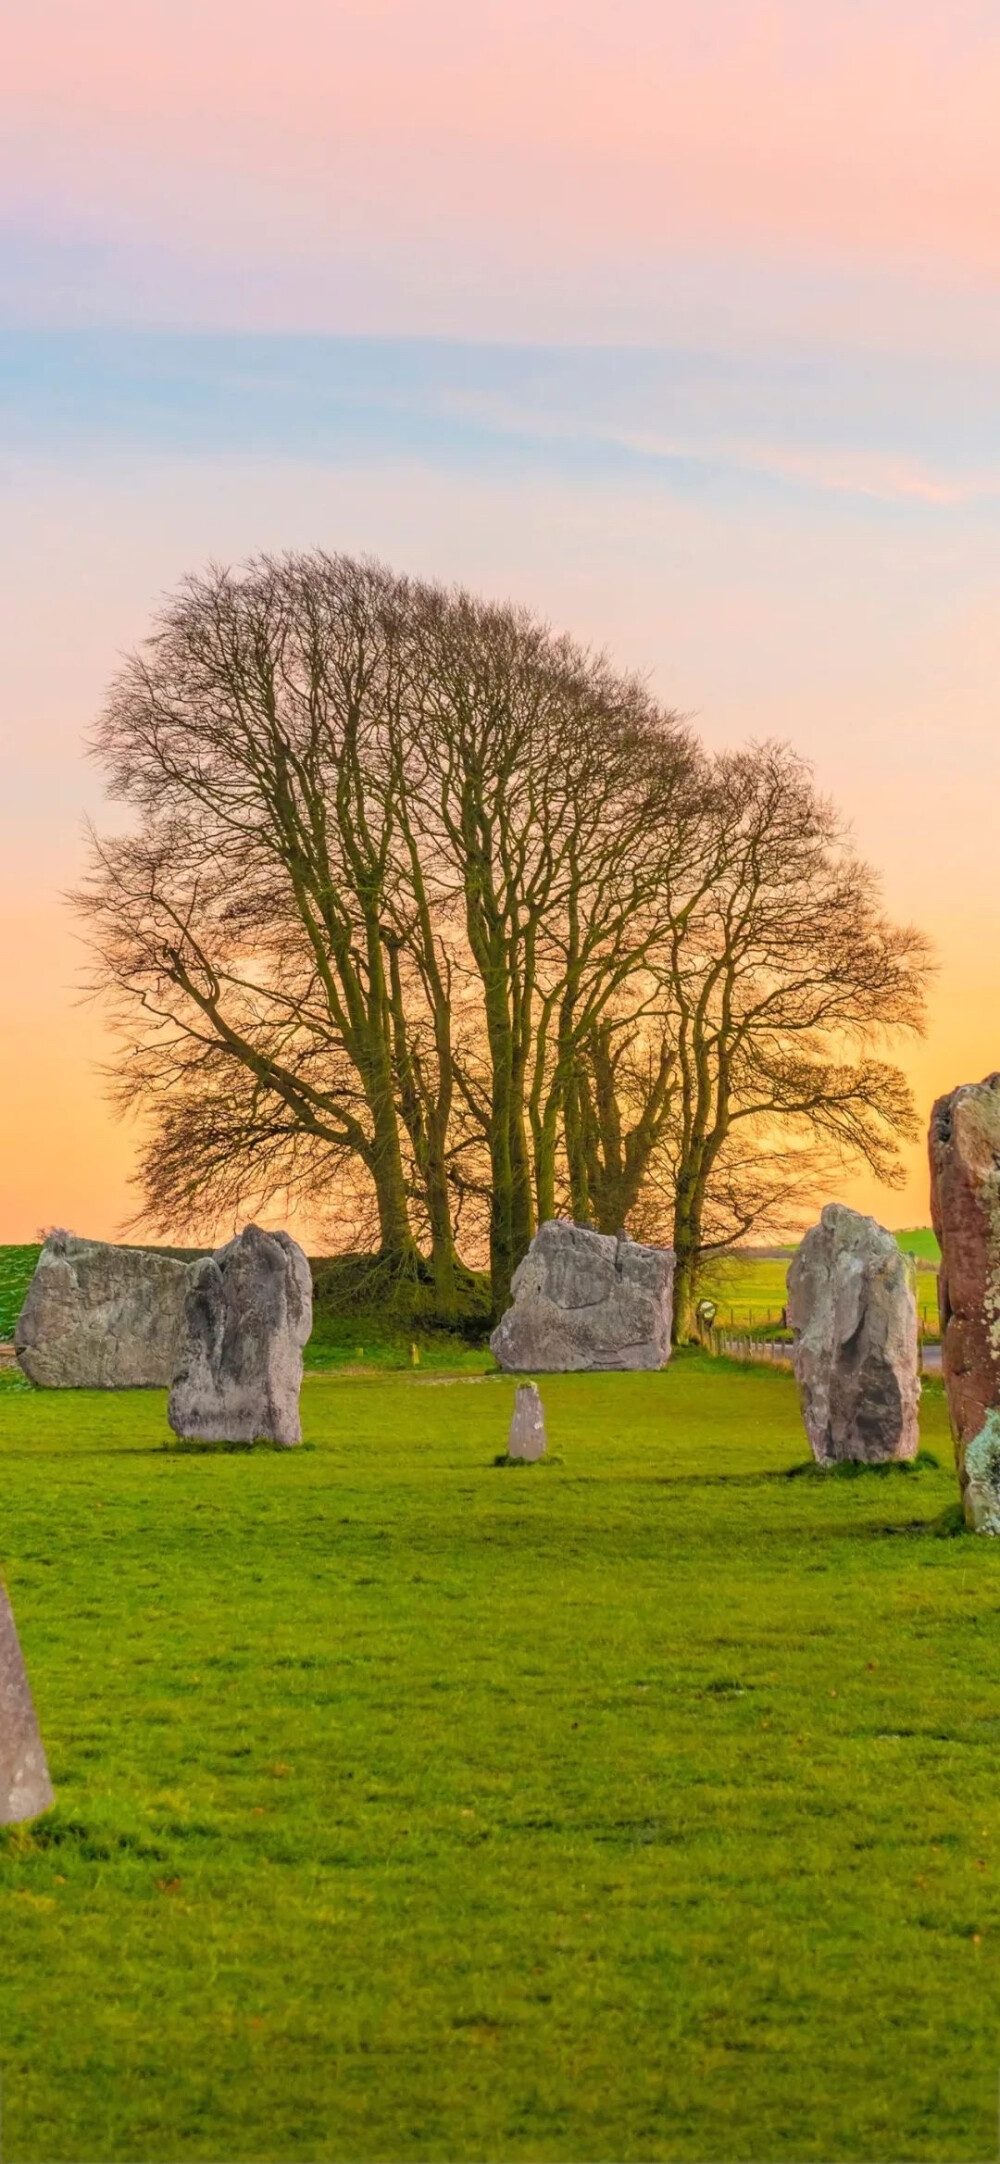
(584, 1299)
(247, 1317)
(25, 1788)
(855, 1355)
(527, 1427)
(99, 1317)
(965, 1210)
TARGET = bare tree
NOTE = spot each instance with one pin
(388, 866)
(243, 921)
(782, 979)
(549, 774)
(624, 1090)
(421, 899)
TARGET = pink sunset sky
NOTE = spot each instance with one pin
(680, 323)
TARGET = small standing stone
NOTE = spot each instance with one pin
(25, 1788)
(527, 1427)
(247, 1317)
(965, 1211)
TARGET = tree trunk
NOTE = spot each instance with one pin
(390, 1180)
(687, 1243)
(511, 1205)
(522, 1213)
(684, 1330)
(576, 1152)
(502, 1258)
(511, 1202)
(444, 1259)
(425, 1115)
(395, 1234)
(545, 1167)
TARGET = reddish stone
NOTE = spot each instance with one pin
(964, 1145)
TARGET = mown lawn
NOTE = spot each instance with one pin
(641, 1804)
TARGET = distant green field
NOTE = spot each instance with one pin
(920, 1241)
(751, 1290)
(745, 1289)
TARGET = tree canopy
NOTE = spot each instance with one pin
(426, 915)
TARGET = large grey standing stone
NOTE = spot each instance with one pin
(100, 1317)
(965, 1212)
(855, 1355)
(584, 1299)
(25, 1788)
(247, 1317)
(527, 1426)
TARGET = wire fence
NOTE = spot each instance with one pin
(725, 1343)
(728, 1344)
(755, 1315)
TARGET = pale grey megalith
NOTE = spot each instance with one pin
(247, 1317)
(855, 1352)
(584, 1300)
(100, 1317)
(25, 1788)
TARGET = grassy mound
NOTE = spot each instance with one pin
(366, 1314)
(642, 1805)
(16, 1267)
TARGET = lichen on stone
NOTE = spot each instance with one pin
(982, 1477)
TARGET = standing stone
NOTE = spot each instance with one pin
(247, 1317)
(855, 1355)
(527, 1427)
(585, 1300)
(25, 1788)
(99, 1317)
(965, 1212)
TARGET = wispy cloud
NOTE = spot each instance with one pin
(722, 423)
(840, 472)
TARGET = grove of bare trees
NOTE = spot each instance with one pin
(426, 920)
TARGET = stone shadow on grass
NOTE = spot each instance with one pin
(854, 1469)
(182, 1446)
(548, 1457)
(949, 1524)
(943, 1526)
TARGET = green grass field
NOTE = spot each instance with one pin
(641, 1804)
(920, 1241)
(746, 1290)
